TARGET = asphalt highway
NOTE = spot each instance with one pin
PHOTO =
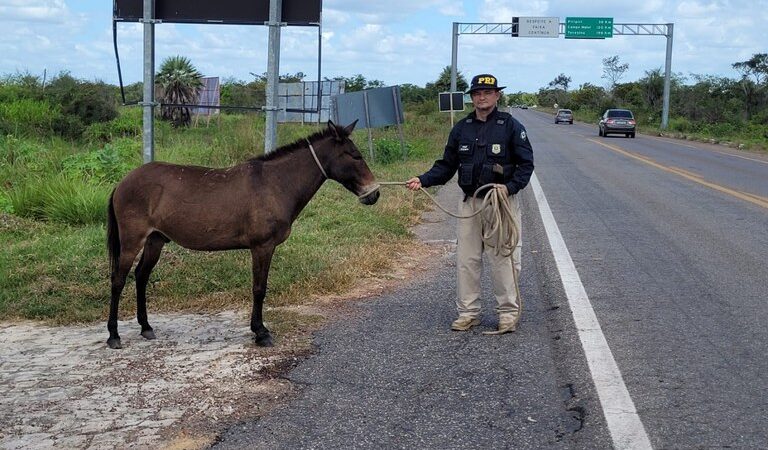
(670, 245)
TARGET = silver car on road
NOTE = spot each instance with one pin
(617, 121)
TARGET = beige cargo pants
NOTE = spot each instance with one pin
(469, 263)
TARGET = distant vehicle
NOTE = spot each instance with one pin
(617, 121)
(564, 115)
(524, 106)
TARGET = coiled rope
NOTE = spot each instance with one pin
(501, 228)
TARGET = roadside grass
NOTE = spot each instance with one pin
(53, 262)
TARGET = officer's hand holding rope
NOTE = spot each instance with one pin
(500, 225)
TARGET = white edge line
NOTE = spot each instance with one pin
(624, 423)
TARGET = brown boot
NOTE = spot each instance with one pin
(507, 324)
(464, 323)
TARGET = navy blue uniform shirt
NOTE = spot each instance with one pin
(494, 151)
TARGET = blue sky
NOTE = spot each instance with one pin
(398, 41)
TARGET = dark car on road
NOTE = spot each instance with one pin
(617, 121)
(564, 115)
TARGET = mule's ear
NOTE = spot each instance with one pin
(334, 130)
(348, 129)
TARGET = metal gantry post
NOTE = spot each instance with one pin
(667, 75)
(148, 104)
(454, 59)
(273, 75)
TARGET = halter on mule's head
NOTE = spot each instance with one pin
(346, 165)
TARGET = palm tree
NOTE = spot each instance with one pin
(178, 83)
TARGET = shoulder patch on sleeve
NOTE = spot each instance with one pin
(523, 136)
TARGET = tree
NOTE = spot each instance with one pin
(515, 98)
(530, 99)
(652, 86)
(443, 83)
(178, 83)
(613, 71)
(561, 80)
(757, 66)
(81, 102)
(411, 93)
(359, 83)
(753, 91)
(588, 96)
(550, 97)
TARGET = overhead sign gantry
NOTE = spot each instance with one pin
(573, 28)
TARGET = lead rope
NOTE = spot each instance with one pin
(314, 155)
(500, 225)
(501, 229)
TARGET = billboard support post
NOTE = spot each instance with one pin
(148, 105)
(273, 75)
(399, 125)
(367, 122)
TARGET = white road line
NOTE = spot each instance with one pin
(624, 423)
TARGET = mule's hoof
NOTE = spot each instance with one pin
(264, 340)
(114, 343)
(148, 334)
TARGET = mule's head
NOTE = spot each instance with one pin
(347, 166)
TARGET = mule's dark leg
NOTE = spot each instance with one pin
(127, 256)
(261, 258)
(149, 258)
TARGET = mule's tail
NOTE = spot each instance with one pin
(113, 236)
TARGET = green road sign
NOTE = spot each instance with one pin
(588, 27)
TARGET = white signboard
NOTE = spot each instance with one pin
(546, 27)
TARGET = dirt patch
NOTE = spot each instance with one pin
(61, 387)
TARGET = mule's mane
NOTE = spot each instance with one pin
(290, 148)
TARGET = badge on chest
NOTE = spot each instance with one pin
(496, 149)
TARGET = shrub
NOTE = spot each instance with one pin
(15, 151)
(82, 103)
(68, 126)
(61, 199)
(127, 124)
(20, 86)
(27, 117)
(680, 124)
(107, 164)
(389, 150)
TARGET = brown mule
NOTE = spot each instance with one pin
(249, 206)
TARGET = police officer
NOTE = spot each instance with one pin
(488, 146)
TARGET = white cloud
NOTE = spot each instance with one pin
(51, 11)
(696, 9)
(389, 11)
